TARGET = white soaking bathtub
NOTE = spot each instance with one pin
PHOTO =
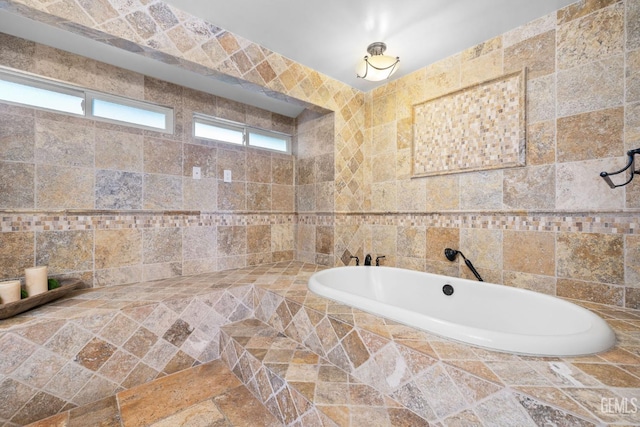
(492, 316)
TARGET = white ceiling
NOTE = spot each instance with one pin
(330, 36)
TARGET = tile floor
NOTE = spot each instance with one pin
(206, 395)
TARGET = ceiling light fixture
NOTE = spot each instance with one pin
(377, 66)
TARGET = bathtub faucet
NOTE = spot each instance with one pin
(378, 258)
(367, 260)
(357, 260)
(451, 256)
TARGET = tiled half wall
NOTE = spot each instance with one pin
(586, 256)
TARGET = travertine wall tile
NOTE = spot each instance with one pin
(16, 253)
(443, 193)
(541, 99)
(529, 30)
(589, 291)
(541, 143)
(592, 135)
(439, 238)
(66, 142)
(633, 24)
(482, 68)
(162, 191)
(412, 195)
(118, 150)
(231, 240)
(65, 251)
(17, 135)
(633, 76)
(483, 247)
(412, 242)
(162, 156)
(258, 239)
(579, 9)
(17, 185)
(118, 190)
(529, 252)
(201, 156)
(161, 245)
(117, 248)
(593, 37)
(199, 242)
(591, 257)
(632, 125)
(632, 261)
(531, 187)
(537, 54)
(592, 86)
(577, 182)
(258, 197)
(532, 282)
(200, 194)
(59, 187)
(16, 52)
(481, 190)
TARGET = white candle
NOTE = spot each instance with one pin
(9, 291)
(36, 280)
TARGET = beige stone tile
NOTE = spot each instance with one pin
(116, 80)
(632, 125)
(161, 245)
(117, 248)
(440, 238)
(162, 191)
(594, 37)
(258, 239)
(529, 252)
(541, 143)
(17, 135)
(162, 156)
(201, 156)
(579, 9)
(384, 197)
(118, 150)
(412, 242)
(231, 240)
(591, 257)
(282, 237)
(530, 187)
(64, 187)
(325, 195)
(65, 251)
(633, 24)
(593, 86)
(577, 182)
(67, 141)
(17, 181)
(282, 170)
(538, 26)
(532, 282)
(16, 52)
(118, 190)
(443, 77)
(16, 253)
(541, 99)
(537, 54)
(482, 68)
(443, 192)
(258, 196)
(482, 49)
(118, 276)
(412, 195)
(258, 167)
(65, 66)
(198, 242)
(483, 247)
(200, 194)
(481, 190)
(632, 260)
(633, 76)
(592, 135)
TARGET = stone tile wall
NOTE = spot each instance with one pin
(582, 74)
(553, 225)
(92, 199)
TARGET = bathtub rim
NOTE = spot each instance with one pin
(535, 345)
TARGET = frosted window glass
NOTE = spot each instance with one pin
(217, 133)
(42, 98)
(129, 114)
(269, 142)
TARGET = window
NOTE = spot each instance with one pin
(24, 89)
(220, 130)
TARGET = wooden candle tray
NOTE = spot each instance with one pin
(17, 307)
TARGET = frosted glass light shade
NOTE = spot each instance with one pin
(377, 66)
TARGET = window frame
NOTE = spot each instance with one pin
(244, 128)
(87, 95)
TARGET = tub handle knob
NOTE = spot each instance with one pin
(357, 260)
(378, 258)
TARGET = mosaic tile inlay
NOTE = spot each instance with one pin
(475, 128)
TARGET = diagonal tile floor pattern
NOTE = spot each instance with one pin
(208, 395)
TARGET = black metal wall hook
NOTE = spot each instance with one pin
(632, 172)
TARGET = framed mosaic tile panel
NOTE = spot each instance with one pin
(479, 127)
